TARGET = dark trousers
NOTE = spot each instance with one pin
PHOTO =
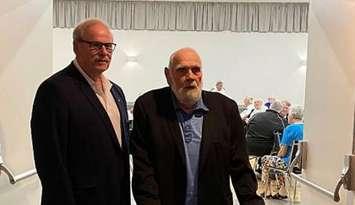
(259, 148)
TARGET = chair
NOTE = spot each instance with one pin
(257, 159)
(295, 166)
(255, 164)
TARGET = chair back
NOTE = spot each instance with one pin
(276, 146)
(297, 167)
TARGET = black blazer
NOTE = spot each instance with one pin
(159, 173)
(77, 155)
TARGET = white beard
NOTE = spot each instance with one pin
(188, 97)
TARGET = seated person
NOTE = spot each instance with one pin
(269, 101)
(261, 130)
(293, 132)
(257, 108)
(247, 104)
(285, 108)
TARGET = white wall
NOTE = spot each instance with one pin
(26, 58)
(256, 64)
(330, 95)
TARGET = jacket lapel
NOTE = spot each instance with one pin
(207, 134)
(173, 124)
(92, 98)
(123, 115)
(175, 132)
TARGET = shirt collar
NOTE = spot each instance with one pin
(198, 107)
(107, 84)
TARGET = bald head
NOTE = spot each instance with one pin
(182, 53)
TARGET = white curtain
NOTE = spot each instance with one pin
(185, 16)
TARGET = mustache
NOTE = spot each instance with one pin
(190, 84)
(107, 60)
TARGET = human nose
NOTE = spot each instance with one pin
(189, 74)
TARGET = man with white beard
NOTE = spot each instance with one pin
(187, 143)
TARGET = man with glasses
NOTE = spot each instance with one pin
(80, 127)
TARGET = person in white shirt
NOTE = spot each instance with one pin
(219, 88)
(246, 104)
(249, 113)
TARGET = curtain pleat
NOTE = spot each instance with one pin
(185, 16)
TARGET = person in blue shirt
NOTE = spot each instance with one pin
(293, 132)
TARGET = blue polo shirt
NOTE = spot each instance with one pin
(191, 130)
(293, 132)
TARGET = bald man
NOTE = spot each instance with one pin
(187, 143)
(80, 127)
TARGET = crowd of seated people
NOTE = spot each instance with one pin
(275, 187)
(270, 134)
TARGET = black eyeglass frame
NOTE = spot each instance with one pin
(97, 46)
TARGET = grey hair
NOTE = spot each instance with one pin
(219, 82)
(82, 27)
(287, 103)
(276, 106)
(297, 112)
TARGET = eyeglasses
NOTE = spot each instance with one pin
(96, 46)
